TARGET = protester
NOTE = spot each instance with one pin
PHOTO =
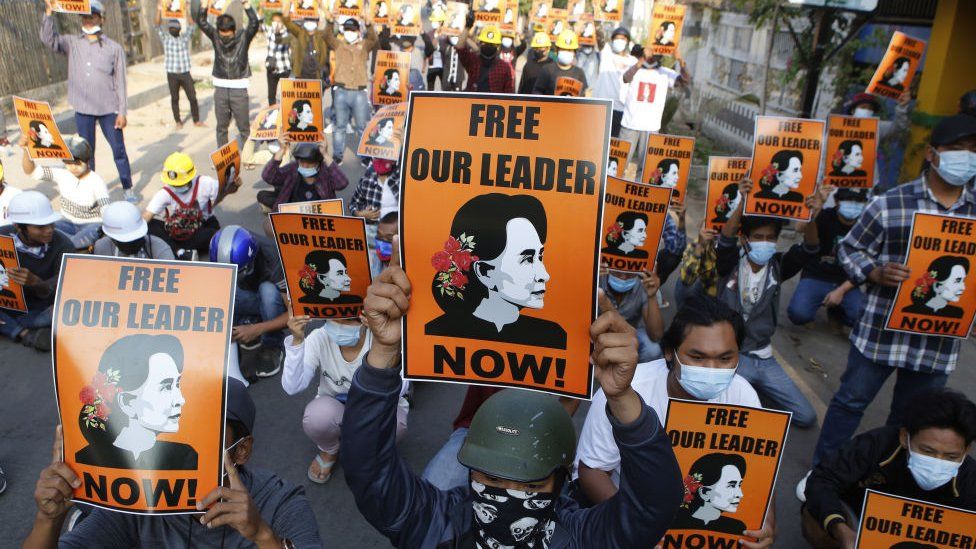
(486, 71)
(445, 55)
(82, 192)
(231, 70)
(588, 60)
(309, 48)
(277, 63)
(643, 99)
(378, 190)
(751, 273)
(634, 296)
(386, 229)
(96, 85)
(419, 48)
(253, 508)
(39, 250)
(532, 466)
(565, 66)
(127, 235)
(7, 193)
(312, 176)
(698, 274)
(435, 60)
(535, 61)
(351, 81)
(615, 59)
(185, 206)
(925, 459)
(176, 61)
(511, 48)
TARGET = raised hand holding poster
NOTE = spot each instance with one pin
(939, 297)
(383, 137)
(140, 355)
(633, 220)
(500, 235)
(227, 163)
(667, 162)
(722, 196)
(667, 21)
(894, 522)
(332, 206)
(406, 18)
(898, 66)
(785, 166)
(37, 122)
(852, 146)
(72, 6)
(391, 77)
(174, 9)
(11, 293)
(301, 104)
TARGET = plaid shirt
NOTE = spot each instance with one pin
(369, 191)
(500, 76)
(278, 60)
(176, 49)
(881, 236)
(672, 240)
(699, 264)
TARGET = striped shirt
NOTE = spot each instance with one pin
(278, 60)
(176, 49)
(82, 199)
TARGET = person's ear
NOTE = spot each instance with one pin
(483, 272)
(931, 155)
(903, 437)
(703, 493)
(124, 401)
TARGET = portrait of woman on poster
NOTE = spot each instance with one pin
(302, 116)
(667, 173)
(610, 6)
(382, 10)
(40, 136)
(406, 15)
(270, 121)
(133, 398)
(490, 269)
(5, 282)
(727, 202)
(713, 486)
(665, 34)
(391, 83)
(848, 158)
(627, 235)
(382, 136)
(942, 284)
(896, 74)
(612, 167)
(782, 176)
(324, 278)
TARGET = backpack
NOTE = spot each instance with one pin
(186, 218)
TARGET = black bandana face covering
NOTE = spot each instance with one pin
(509, 519)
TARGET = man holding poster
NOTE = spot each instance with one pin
(785, 166)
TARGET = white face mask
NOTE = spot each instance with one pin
(618, 45)
(310, 25)
(956, 167)
(565, 57)
(506, 42)
(435, 25)
(454, 40)
(929, 472)
(350, 36)
(863, 112)
(91, 30)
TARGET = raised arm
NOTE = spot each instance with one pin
(201, 18)
(49, 34)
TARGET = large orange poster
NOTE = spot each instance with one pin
(667, 21)
(265, 125)
(889, 521)
(729, 456)
(939, 297)
(383, 137)
(489, 11)
(898, 66)
(174, 9)
(326, 263)
(37, 122)
(539, 12)
(617, 161)
(11, 293)
(332, 206)
(608, 10)
(406, 18)
(391, 77)
(785, 165)
(633, 220)
(667, 162)
(72, 6)
(140, 356)
(852, 146)
(722, 196)
(301, 104)
(227, 163)
(500, 233)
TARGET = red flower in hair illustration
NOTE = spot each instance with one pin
(692, 483)
(723, 204)
(769, 173)
(307, 276)
(924, 284)
(97, 397)
(837, 159)
(452, 264)
(615, 233)
(656, 176)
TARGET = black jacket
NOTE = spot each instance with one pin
(230, 56)
(876, 460)
(412, 513)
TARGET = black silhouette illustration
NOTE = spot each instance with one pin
(324, 278)
(942, 284)
(713, 486)
(782, 176)
(626, 237)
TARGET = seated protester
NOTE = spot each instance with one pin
(260, 315)
(127, 234)
(387, 228)
(255, 153)
(378, 190)
(566, 45)
(925, 459)
(7, 193)
(81, 191)
(634, 296)
(254, 508)
(697, 267)
(312, 176)
(702, 340)
(39, 249)
(824, 282)
(751, 272)
(866, 105)
(181, 213)
(334, 352)
(505, 471)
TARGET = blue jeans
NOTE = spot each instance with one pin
(647, 350)
(82, 235)
(809, 296)
(859, 385)
(349, 104)
(444, 470)
(773, 384)
(86, 128)
(12, 323)
(266, 304)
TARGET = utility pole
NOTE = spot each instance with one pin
(769, 55)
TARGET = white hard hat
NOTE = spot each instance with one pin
(31, 208)
(123, 222)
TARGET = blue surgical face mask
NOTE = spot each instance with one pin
(704, 383)
(956, 167)
(307, 172)
(384, 250)
(761, 252)
(344, 335)
(929, 472)
(621, 285)
(850, 209)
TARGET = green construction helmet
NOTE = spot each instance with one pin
(519, 435)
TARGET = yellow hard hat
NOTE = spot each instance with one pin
(490, 35)
(538, 27)
(178, 169)
(508, 34)
(567, 40)
(540, 40)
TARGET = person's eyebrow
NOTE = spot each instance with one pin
(528, 252)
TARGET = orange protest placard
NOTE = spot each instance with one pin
(326, 263)
(575, 9)
(11, 293)
(456, 19)
(381, 11)
(406, 18)
(722, 196)
(72, 6)
(520, 174)
(489, 11)
(140, 358)
(37, 122)
(392, 77)
(667, 162)
(383, 137)
(332, 206)
(633, 220)
(667, 21)
(558, 22)
(509, 20)
(218, 7)
(539, 13)
(610, 11)
(585, 29)
(265, 125)
(785, 166)
(349, 8)
(566, 86)
(898, 66)
(301, 104)
(226, 162)
(304, 9)
(904, 523)
(272, 5)
(617, 162)
(933, 300)
(852, 147)
(729, 458)
(174, 9)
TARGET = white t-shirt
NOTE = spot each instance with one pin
(82, 199)
(596, 447)
(644, 98)
(609, 79)
(162, 202)
(388, 200)
(6, 195)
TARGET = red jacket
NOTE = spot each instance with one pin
(501, 78)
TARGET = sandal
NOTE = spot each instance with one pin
(324, 467)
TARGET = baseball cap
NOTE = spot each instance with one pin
(97, 7)
(953, 128)
(240, 405)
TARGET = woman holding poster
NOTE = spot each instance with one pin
(943, 283)
(783, 174)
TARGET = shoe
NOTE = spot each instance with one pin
(269, 362)
(130, 196)
(365, 161)
(186, 255)
(249, 358)
(3, 481)
(179, 125)
(329, 128)
(337, 160)
(39, 339)
(349, 128)
(200, 124)
(801, 488)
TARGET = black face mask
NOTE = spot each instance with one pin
(489, 50)
(226, 39)
(540, 54)
(130, 248)
(174, 32)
